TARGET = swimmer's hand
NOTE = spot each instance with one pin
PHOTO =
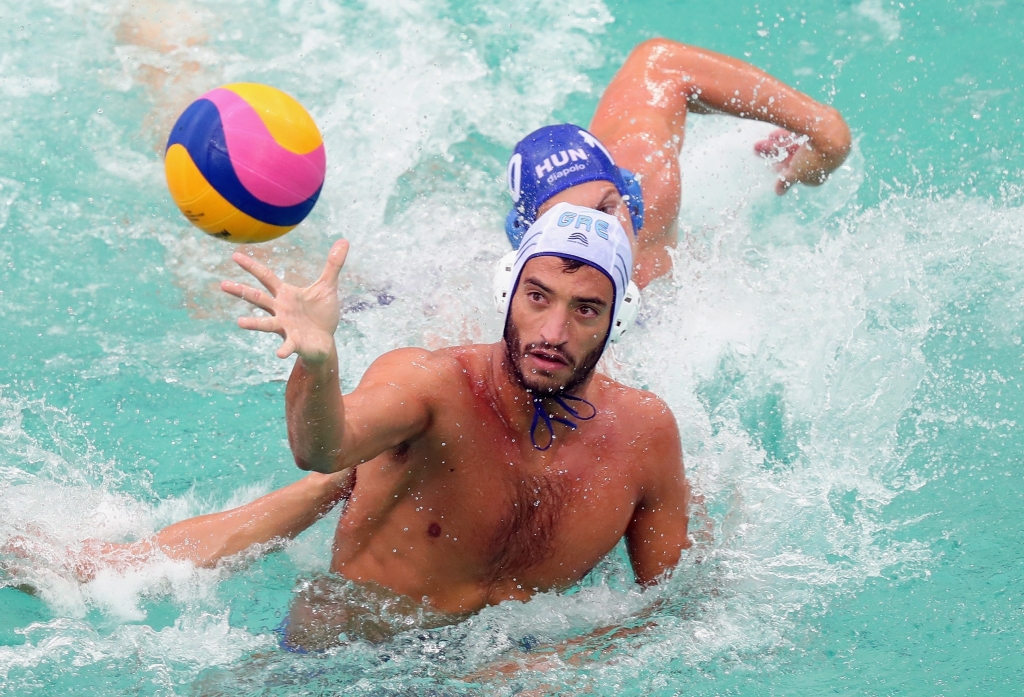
(306, 318)
(92, 556)
(798, 160)
(24, 557)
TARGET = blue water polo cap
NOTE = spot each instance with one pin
(554, 158)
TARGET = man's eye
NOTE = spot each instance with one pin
(588, 311)
(535, 296)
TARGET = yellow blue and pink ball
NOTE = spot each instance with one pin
(245, 162)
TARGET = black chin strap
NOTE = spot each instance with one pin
(539, 412)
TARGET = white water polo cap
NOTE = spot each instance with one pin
(585, 235)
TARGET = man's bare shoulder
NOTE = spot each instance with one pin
(445, 368)
(623, 400)
(648, 422)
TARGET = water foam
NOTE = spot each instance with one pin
(790, 343)
(791, 365)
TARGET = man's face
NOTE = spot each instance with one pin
(557, 324)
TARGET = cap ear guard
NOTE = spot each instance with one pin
(627, 313)
(634, 198)
(503, 280)
(515, 227)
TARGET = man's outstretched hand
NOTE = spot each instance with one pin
(797, 160)
(306, 318)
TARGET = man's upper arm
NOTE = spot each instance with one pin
(393, 403)
(662, 80)
(657, 534)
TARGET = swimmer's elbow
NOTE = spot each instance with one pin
(305, 465)
(199, 554)
(205, 562)
(322, 465)
(834, 140)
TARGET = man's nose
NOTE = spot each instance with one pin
(555, 330)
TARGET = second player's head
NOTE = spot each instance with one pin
(567, 164)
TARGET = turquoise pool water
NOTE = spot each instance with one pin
(845, 363)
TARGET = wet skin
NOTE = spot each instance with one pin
(641, 119)
(469, 514)
(452, 504)
(433, 448)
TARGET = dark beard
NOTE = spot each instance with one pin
(514, 355)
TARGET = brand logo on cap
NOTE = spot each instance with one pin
(579, 238)
(559, 159)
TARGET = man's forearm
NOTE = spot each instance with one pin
(279, 515)
(315, 413)
(206, 539)
(738, 88)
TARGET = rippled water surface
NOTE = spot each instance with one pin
(845, 362)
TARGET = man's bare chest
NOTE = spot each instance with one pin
(550, 527)
(500, 513)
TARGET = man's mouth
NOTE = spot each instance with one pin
(547, 359)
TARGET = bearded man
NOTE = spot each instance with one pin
(473, 474)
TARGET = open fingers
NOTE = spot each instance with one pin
(257, 297)
(286, 349)
(261, 324)
(262, 273)
(335, 260)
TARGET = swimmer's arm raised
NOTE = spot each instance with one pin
(388, 407)
(657, 533)
(306, 319)
(662, 80)
(391, 405)
(715, 82)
